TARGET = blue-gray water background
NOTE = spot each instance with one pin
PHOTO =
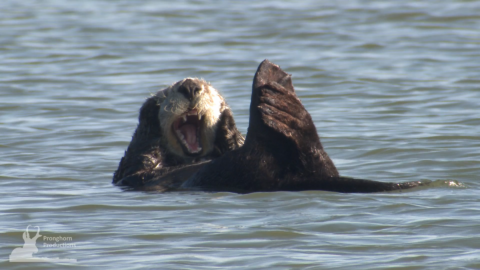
(392, 86)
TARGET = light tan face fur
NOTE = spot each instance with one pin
(173, 105)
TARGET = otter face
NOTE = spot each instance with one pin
(189, 112)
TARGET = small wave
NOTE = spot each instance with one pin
(447, 183)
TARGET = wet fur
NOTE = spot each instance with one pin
(154, 157)
(282, 151)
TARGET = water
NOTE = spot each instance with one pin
(393, 88)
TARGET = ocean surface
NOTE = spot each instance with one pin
(393, 88)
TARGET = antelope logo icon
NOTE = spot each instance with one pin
(25, 253)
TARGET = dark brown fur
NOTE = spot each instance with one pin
(282, 150)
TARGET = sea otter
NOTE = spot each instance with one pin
(180, 128)
(282, 151)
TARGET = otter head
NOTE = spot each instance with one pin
(189, 112)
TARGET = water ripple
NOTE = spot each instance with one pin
(392, 88)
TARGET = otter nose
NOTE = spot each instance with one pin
(190, 89)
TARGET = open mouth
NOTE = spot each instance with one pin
(187, 130)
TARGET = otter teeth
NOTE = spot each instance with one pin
(190, 113)
(198, 150)
(184, 141)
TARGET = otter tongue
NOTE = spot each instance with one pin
(190, 134)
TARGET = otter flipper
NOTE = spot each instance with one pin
(277, 115)
(276, 106)
(282, 151)
(274, 99)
